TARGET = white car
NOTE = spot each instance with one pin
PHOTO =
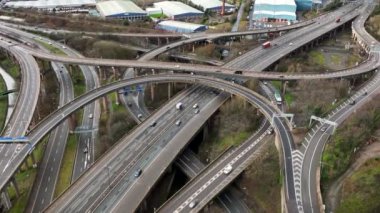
(178, 122)
(193, 204)
(227, 169)
(290, 44)
(90, 116)
(195, 106)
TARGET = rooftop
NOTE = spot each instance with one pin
(180, 24)
(50, 3)
(176, 8)
(206, 4)
(115, 7)
(276, 2)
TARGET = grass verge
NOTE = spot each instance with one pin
(3, 104)
(25, 179)
(64, 178)
(51, 48)
(361, 190)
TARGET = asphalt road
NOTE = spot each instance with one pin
(21, 116)
(204, 186)
(57, 117)
(312, 148)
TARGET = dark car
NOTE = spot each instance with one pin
(138, 173)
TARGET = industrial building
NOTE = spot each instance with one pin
(213, 5)
(274, 10)
(57, 5)
(178, 10)
(121, 9)
(305, 4)
(180, 27)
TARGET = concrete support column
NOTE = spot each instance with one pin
(34, 162)
(5, 200)
(167, 41)
(15, 185)
(169, 90)
(152, 91)
(205, 132)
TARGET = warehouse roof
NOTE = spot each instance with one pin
(115, 7)
(50, 3)
(176, 8)
(179, 24)
(276, 2)
(207, 4)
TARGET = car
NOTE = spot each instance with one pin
(323, 129)
(138, 173)
(265, 83)
(168, 47)
(60, 71)
(195, 106)
(85, 150)
(353, 102)
(153, 124)
(50, 43)
(90, 116)
(365, 93)
(192, 204)
(177, 66)
(63, 47)
(129, 104)
(178, 122)
(196, 111)
(227, 169)
(139, 116)
(290, 44)
(270, 131)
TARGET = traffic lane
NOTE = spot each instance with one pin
(318, 141)
(51, 166)
(210, 170)
(209, 179)
(132, 198)
(133, 135)
(165, 137)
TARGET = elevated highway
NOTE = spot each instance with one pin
(22, 115)
(61, 113)
(313, 145)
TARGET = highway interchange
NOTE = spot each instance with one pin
(266, 107)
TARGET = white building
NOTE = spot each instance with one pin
(121, 9)
(178, 10)
(180, 27)
(52, 4)
(213, 5)
(276, 10)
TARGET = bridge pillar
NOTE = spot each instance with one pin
(5, 200)
(205, 131)
(167, 41)
(169, 90)
(152, 91)
(34, 162)
(15, 185)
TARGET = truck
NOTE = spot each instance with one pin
(179, 106)
(337, 20)
(266, 45)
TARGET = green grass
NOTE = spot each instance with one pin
(233, 139)
(12, 68)
(360, 191)
(277, 84)
(51, 48)
(317, 57)
(3, 104)
(336, 59)
(289, 98)
(25, 179)
(65, 173)
(78, 81)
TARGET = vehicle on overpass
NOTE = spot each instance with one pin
(266, 45)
